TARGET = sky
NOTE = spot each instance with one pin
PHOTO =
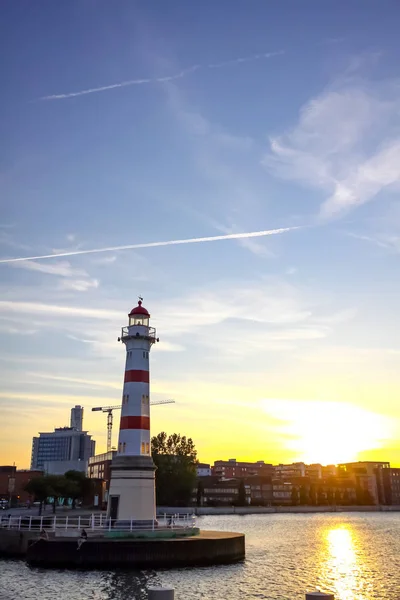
(146, 123)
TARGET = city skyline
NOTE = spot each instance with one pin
(242, 174)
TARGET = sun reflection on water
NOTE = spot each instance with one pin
(345, 568)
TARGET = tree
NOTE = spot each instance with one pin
(359, 495)
(321, 497)
(77, 486)
(39, 488)
(312, 495)
(199, 493)
(338, 496)
(241, 501)
(57, 485)
(175, 457)
(367, 497)
(304, 495)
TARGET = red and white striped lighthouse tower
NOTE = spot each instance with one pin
(132, 489)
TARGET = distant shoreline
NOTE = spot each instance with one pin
(264, 510)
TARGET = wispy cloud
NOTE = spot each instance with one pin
(155, 80)
(53, 309)
(59, 268)
(71, 278)
(387, 241)
(344, 144)
(215, 238)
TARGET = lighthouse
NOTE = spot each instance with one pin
(132, 484)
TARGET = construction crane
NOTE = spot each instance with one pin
(109, 411)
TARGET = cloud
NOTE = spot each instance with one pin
(371, 177)
(57, 310)
(387, 241)
(169, 78)
(215, 238)
(79, 285)
(343, 144)
(269, 302)
(73, 279)
(62, 268)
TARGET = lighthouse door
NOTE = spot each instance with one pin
(114, 501)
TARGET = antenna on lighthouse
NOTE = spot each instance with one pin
(140, 298)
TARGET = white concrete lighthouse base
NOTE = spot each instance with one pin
(132, 490)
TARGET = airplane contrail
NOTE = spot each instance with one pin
(179, 75)
(214, 238)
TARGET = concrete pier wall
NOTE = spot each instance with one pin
(15, 543)
(209, 548)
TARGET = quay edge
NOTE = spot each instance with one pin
(208, 548)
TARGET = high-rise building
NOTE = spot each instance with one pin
(64, 449)
(77, 417)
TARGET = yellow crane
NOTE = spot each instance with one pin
(109, 411)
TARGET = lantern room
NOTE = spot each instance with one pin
(139, 315)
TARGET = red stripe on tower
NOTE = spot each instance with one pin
(135, 423)
(136, 376)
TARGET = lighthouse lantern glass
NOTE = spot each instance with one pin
(139, 320)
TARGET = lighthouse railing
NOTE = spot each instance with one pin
(96, 523)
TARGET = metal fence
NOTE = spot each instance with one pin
(96, 523)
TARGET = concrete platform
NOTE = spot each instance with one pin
(207, 548)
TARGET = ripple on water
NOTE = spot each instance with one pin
(353, 555)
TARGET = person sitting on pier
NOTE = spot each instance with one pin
(43, 535)
(82, 539)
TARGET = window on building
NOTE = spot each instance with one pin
(123, 447)
(143, 448)
(147, 448)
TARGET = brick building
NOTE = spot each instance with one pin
(13, 482)
(217, 491)
(233, 468)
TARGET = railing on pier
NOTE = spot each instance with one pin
(96, 523)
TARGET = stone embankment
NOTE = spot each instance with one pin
(263, 510)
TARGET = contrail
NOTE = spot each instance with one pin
(179, 75)
(214, 238)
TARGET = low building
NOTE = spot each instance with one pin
(281, 492)
(329, 471)
(7, 481)
(391, 484)
(13, 482)
(233, 468)
(313, 471)
(369, 477)
(203, 470)
(289, 471)
(60, 467)
(99, 467)
(394, 486)
(215, 491)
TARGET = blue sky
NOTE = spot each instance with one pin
(128, 123)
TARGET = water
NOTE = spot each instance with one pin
(356, 556)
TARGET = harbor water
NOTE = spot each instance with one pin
(354, 555)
